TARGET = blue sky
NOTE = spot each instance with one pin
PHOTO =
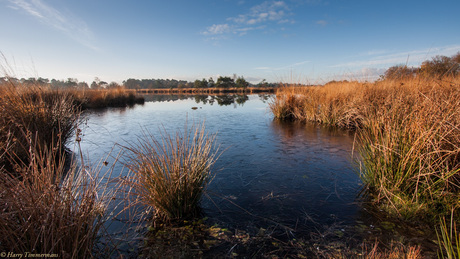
(312, 41)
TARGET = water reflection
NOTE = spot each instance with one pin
(221, 100)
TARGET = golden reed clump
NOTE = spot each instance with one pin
(171, 173)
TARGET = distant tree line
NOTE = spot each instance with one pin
(61, 84)
(222, 82)
(53, 83)
(438, 67)
(155, 83)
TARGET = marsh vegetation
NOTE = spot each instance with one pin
(406, 150)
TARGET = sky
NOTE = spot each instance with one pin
(302, 41)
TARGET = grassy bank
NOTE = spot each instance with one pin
(408, 136)
(197, 239)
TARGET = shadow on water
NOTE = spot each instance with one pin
(288, 179)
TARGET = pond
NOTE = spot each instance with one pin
(297, 180)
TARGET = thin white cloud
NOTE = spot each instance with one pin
(217, 29)
(267, 11)
(243, 31)
(414, 57)
(286, 21)
(374, 52)
(283, 67)
(257, 17)
(73, 27)
(300, 63)
(322, 22)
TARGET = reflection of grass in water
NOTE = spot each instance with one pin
(101, 98)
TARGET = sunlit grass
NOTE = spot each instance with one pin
(171, 173)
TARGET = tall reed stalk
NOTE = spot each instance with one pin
(449, 242)
(170, 174)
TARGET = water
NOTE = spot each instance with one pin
(295, 179)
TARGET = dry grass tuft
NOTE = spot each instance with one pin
(170, 174)
(394, 252)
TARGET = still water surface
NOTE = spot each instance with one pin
(292, 178)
